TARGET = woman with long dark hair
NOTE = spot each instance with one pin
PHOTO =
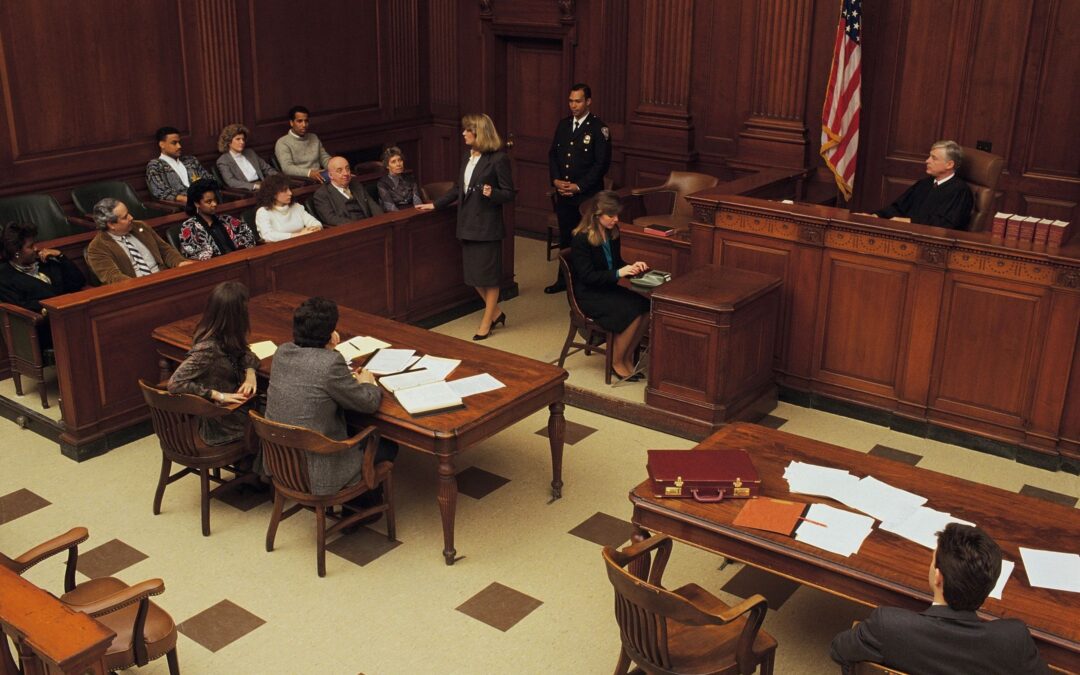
(220, 366)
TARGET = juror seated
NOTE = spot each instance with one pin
(941, 199)
(125, 248)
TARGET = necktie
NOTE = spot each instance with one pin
(348, 192)
(576, 123)
(137, 261)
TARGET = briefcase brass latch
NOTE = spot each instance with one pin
(738, 490)
(675, 490)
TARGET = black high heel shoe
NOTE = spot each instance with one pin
(500, 320)
(485, 336)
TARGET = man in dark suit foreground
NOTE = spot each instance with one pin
(344, 199)
(947, 638)
(941, 199)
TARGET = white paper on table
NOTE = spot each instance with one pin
(358, 346)
(922, 526)
(841, 532)
(389, 361)
(1052, 569)
(263, 349)
(811, 479)
(437, 365)
(409, 379)
(881, 500)
(477, 384)
(1003, 578)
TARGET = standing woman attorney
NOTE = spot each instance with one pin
(483, 185)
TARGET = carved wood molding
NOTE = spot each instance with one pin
(665, 69)
(705, 213)
(1002, 266)
(217, 26)
(859, 242)
(812, 234)
(487, 9)
(757, 224)
(443, 52)
(1068, 277)
(567, 11)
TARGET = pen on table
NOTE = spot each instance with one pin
(813, 522)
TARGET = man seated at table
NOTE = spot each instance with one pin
(170, 174)
(299, 152)
(941, 199)
(343, 199)
(125, 248)
(311, 386)
(948, 637)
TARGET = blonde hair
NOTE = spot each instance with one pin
(605, 203)
(230, 132)
(487, 139)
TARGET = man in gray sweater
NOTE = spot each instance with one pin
(299, 152)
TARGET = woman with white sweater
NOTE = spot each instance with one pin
(278, 218)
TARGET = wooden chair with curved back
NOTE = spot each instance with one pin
(432, 191)
(686, 630)
(21, 329)
(981, 171)
(176, 423)
(144, 631)
(285, 449)
(682, 183)
(579, 322)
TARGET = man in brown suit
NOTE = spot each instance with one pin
(125, 248)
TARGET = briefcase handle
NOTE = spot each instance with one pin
(708, 500)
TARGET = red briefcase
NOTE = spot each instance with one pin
(703, 475)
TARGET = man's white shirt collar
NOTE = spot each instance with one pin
(939, 181)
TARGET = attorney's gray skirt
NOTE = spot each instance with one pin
(482, 262)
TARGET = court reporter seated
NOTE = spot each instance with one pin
(125, 248)
(278, 218)
(948, 638)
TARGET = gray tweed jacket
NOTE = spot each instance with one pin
(312, 387)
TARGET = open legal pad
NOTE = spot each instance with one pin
(419, 382)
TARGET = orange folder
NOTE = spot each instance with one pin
(772, 515)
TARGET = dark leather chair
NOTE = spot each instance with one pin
(682, 183)
(594, 338)
(85, 196)
(41, 210)
(370, 169)
(176, 423)
(172, 235)
(686, 630)
(144, 631)
(21, 328)
(433, 191)
(285, 449)
(981, 171)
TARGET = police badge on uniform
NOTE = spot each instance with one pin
(587, 139)
(607, 134)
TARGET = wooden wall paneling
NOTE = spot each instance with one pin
(913, 385)
(1051, 381)
(424, 281)
(219, 60)
(774, 258)
(400, 71)
(1070, 414)
(443, 54)
(715, 79)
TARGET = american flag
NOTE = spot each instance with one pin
(840, 115)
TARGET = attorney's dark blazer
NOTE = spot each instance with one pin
(939, 641)
(331, 207)
(479, 218)
(23, 290)
(234, 177)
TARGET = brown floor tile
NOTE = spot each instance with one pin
(605, 530)
(245, 499)
(19, 503)
(220, 625)
(362, 546)
(895, 455)
(574, 432)
(750, 580)
(108, 559)
(499, 606)
(477, 483)
(772, 421)
(1048, 495)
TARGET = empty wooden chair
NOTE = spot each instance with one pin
(144, 631)
(686, 630)
(21, 328)
(285, 449)
(176, 423)
(682, 183)
(594, 338)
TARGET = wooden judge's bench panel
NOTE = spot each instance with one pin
(403, 265)
(936, 326)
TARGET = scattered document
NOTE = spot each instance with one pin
(1003, 578)
(811, 479)
(409, 379)
(1052, 569)
(437, 364)
(922, 525)
(429, 398)
(881, 500)
(841, 532)
(389, 361)
(263, 349)
(361, 345)
(477, 384)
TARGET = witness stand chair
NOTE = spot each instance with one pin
(144, 631)
(981, 171)
(686, 630)
(681, 183)
(590, 331)
(285, 450)
(176, 423)
(41, 210)
(22, 330)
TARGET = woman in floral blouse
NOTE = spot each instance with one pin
(205, 234)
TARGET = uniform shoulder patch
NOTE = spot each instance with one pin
(607, 134)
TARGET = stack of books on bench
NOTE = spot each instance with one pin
(1015, 229)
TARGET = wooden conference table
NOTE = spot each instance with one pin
(887, 570)
(530, 385)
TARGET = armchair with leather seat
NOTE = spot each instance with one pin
(681, 183)
(21, 336)
(41, 210)
(176, 423)
(285, 449)
(432, 191)
(685, 630)
(981, 171)
(144, 631)
(590, 332)
(85, 196)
